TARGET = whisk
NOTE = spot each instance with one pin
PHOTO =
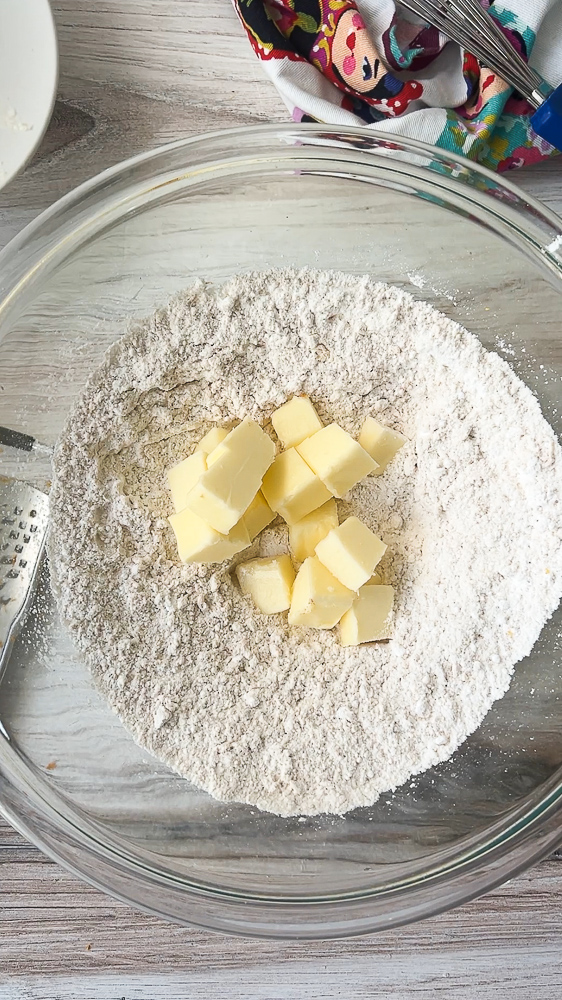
(471, 26)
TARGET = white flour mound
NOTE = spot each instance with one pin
(471, 509)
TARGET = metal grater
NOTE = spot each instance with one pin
(24, 515)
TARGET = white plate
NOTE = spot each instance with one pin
(28, 80)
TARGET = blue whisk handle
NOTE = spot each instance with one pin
(547, 120)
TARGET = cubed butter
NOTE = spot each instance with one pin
(226, 490)
(380, 442)
(258, 515)
(319, 600)
(216, 453)
(291, 488)
(223, 442)
(212, 438)
(305, 534)
(269, 582)
(370, 617)
(198, 542)
(351, 552)
(295, 421)
(336, 458)
(183, 477)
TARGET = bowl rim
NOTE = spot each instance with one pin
(271, 130)
(530, 836)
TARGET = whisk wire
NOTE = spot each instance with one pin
(491, 39)
(471, 26)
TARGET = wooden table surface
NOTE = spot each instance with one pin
(135, 74)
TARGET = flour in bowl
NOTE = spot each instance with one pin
(471, 510)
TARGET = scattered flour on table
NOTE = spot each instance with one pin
(471, 509)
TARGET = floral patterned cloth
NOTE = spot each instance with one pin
(359, 62)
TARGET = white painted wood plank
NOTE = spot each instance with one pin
(195, 50)
(495, 976)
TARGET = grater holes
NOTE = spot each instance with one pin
(18, 511)
(33, 527)
(12, 574)
(22, 525)
(18, 549)
(8, 520)
(15, 534)
(33, 513)
(26, 539)
(23, 563)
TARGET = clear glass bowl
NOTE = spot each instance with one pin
(451, 233)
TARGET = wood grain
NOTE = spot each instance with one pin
(195, 52)
(135, 74)
(508, 941)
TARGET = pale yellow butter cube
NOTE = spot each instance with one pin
(212, 438)
(336, 458)
(295, 421)
(305, 534)
(224, 441)
(370, 617)
(258, 515)
(291, 488)
(227, 489)
(269, 582)
(319, 600)
(183, 477)
(380, 442)
(216, 453)
(198, 542)
(351, 552)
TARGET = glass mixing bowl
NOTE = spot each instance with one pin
(71, 778)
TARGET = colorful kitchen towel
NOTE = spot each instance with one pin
(360, 62)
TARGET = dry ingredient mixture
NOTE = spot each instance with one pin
(471, 509)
